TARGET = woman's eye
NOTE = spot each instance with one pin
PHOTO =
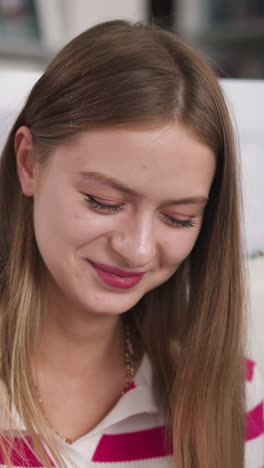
(179, 223)
(95, 204)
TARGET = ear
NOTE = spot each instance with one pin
(26, 161)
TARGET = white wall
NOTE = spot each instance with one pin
(14, 88)
(246, 103)
(256, 311)
(81, 14)
(61, 20)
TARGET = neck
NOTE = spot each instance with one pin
(73, 342)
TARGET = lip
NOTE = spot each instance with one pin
(115, 277)
(116, 271)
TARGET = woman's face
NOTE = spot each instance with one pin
(118, 210)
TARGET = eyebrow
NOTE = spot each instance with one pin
(106, 180)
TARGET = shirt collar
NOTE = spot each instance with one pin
(137, 400)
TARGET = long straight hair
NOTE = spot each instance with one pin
(192, 326)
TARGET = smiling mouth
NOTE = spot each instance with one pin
(115, 277)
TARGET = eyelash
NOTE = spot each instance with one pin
(95, 204)
(179, 223)
(101, 206)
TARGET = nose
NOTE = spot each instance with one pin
(134, 242)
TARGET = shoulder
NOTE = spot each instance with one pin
(254, 455)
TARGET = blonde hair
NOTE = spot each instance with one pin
(118, 73)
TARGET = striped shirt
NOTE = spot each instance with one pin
(133, 434)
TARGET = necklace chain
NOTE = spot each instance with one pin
(129, 360)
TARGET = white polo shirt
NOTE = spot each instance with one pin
(133, 434)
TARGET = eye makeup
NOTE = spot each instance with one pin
(94, 203)
(170, 220)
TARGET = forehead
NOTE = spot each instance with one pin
(166, 158)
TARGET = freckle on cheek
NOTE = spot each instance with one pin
(96, 298)
(83, 266)
(76, 215)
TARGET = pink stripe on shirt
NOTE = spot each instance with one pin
(21, 453)
(254, 422)
(139, 445)
(249, 369)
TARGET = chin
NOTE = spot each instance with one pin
(112, 304)
(114, 308)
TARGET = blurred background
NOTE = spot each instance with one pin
(229, 32)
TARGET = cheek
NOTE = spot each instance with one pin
(179, 245)
(53, 222)
(61, 227)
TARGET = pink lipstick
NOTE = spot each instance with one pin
(115, 277)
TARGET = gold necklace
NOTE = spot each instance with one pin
(129, 359)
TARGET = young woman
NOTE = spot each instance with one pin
(122, 309)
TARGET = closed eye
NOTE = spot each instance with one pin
(95, 204)
(170, 220)
(178, 222)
